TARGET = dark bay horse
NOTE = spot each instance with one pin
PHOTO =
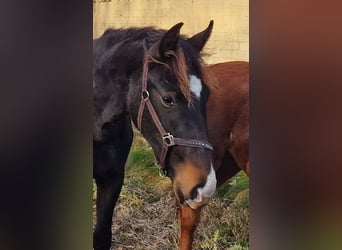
(154, 78)
(228, 119)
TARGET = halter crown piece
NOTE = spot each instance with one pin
(167, 138)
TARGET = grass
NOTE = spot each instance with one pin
(145, 215)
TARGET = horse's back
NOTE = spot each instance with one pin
(228, 74)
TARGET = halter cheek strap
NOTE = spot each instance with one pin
(167, 138)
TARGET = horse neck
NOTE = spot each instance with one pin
(113, 69)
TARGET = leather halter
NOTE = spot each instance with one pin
(168, 139)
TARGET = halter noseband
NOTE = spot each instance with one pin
(168, 139)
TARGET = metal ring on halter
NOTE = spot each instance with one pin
(162, 172)
(168, 140)
(145, 95)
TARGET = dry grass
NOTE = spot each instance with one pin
(145, 216)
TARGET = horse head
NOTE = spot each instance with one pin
(167, 101)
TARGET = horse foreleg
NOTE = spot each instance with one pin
(107, 194)
(110, 156)
(189, 219)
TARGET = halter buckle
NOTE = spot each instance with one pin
(168, 140)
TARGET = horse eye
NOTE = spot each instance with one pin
(168, 101)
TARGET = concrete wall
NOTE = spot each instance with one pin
(229, 40)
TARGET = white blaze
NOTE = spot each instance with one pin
(195, 86)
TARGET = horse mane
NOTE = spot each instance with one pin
(180, 69)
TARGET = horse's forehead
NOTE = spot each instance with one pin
(162, 72)
(158, 74)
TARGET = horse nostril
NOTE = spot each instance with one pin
(194, 193)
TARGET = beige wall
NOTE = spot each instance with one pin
(229, 40)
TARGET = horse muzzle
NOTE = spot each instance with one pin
(200, 192)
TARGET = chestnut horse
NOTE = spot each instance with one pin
(228, 118)
(228, 125)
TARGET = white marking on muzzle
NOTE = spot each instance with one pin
(204, 193)
(210, 186)
(199, 195)
(195, 86)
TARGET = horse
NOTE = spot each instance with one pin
(228, 119)
(152, 78)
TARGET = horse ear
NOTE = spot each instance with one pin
(167, 43)
(200, 39)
